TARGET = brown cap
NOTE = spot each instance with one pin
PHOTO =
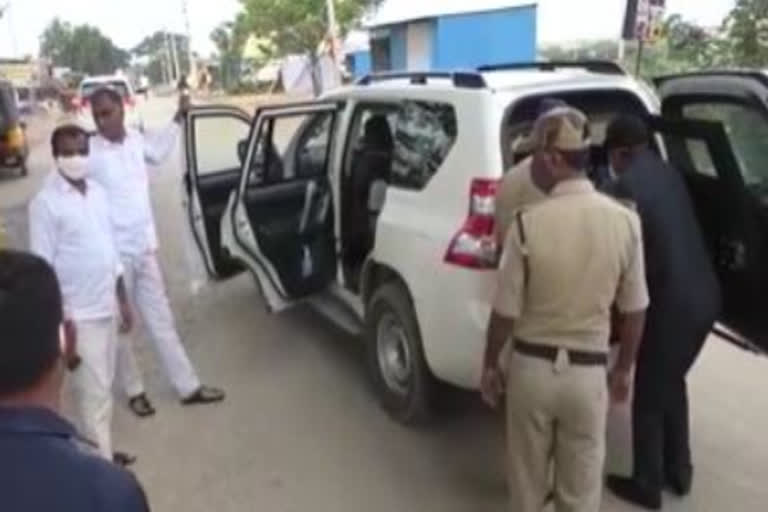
(563, 128)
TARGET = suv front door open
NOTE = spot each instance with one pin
(715, 128)
(211, 136)
(283, 222)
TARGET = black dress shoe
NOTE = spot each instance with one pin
(630, 490)
(123, 459)
(141, 406)
(680, 482)
(204, 395)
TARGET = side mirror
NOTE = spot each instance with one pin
(242, 150)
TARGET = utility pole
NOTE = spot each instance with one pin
(170, 54)
(333, 37)
(190, 54)
(175, 56)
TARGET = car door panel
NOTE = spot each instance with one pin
(289, 235)
(733, 221)
(212, 175)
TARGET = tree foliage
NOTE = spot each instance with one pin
(82, 48)
(299, 26)
(155, 49)
(746, 28)
(230, 39)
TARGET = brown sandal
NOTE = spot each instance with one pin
(141, 406)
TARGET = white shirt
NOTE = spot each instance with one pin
(121, 168)
(72, 232)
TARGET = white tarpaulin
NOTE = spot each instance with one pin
(296, 73)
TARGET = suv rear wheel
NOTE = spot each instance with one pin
(395, 355)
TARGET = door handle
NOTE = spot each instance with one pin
(732, 254)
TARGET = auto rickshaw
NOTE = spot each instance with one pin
(14, 149)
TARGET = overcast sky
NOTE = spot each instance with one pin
(128, 21)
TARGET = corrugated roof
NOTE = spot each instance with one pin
(399, 11)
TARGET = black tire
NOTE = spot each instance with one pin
(413, 403)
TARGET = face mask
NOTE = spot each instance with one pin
(73, 167)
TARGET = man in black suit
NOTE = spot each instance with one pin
(685, 303)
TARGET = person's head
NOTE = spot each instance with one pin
(32, 344)
(69, 145)
(560, 142)
(108, 113)
(625, 137)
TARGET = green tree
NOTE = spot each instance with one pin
(82, 48)
(155, 48)
(300, 26)
(746, 28)
(230, 38)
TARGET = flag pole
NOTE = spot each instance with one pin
(639, 63)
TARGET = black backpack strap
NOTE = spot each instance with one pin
(523, 247)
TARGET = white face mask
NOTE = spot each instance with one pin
(73, 167)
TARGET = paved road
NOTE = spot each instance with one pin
(301, 432)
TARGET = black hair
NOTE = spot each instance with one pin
(63, 131)
(30, 319)
(626, 131)
(106, 93)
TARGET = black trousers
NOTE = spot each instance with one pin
(660, 416)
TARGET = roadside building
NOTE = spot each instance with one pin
(450, 34)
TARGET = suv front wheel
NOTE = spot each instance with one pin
(395, 355)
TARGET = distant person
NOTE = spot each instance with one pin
(118, 162)
(43, 466)
(685, 303)
(69, 228)
(144, 85)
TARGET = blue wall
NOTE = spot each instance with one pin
(398, 47)
(360, 63)
(492, 37)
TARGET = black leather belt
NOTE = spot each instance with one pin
(548, 352)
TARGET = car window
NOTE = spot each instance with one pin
(373, 127)
(292, 147)
(424, 134)
(216, 139)
(747, 130)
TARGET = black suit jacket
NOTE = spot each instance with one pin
(682, 283)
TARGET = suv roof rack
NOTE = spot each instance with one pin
(605, 67)
(715, 73)
(463, 79)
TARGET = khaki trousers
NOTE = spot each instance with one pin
(556, 420)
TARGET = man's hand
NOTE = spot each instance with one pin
(492, 385)
(71, 358)
(126, 317)
(619, 384)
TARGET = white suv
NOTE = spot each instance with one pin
(376, 202)
(119, 84)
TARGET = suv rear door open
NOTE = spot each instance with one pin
(282, 217)
(715, 127)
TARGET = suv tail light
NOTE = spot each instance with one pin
(474, 246)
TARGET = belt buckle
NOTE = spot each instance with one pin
(562, 361)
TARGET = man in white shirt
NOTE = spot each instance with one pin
(70, 229)
(118, 161)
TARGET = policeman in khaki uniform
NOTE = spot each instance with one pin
(523, 184)
(567, 260)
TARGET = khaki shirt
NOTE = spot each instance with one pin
(585, 253)
(517, 190)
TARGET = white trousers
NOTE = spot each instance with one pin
(91, 382)
(146, 290)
